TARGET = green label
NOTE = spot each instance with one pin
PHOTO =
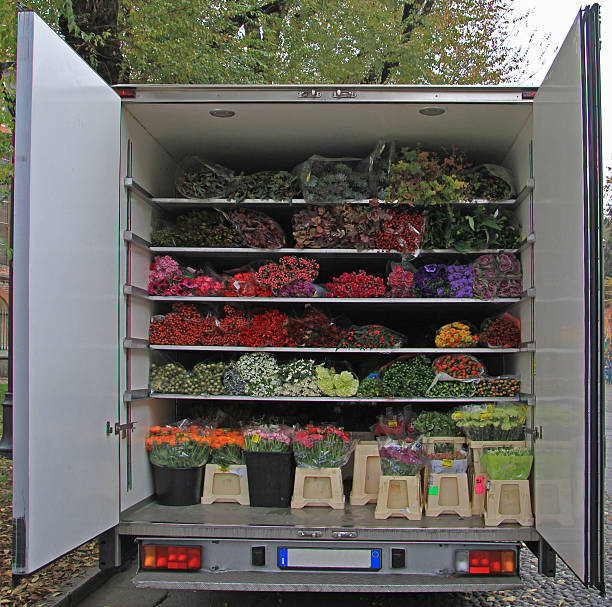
(433, 491)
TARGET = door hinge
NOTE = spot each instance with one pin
(343, 94)
(535, 432)
(311, 94)
(119, 428)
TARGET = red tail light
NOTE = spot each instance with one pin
(187, 558)
(126, 93)
(486, 562)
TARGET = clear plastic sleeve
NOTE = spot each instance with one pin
(266, 185)
(458, 367)
(502, 386)
(267, 438)
(492, 421)
(391, 423)
(401, 457)
(490, 182)
(371, 336)
(496, 275)
(333, 179)
(508, 464)
(378, 164)
(400, 280)
(501, 331)
(322, 446)
(200, 178)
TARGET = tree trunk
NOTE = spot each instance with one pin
(96, 18)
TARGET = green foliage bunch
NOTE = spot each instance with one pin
(408, 377)
(436, 423)
(426, 178)
(331, 383)
(268, 185)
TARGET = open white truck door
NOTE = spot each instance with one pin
(569, 462)
(66, 293)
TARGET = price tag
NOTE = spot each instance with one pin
(457, 415)
(479, 485)
(490, 408)
(447, 463)
(256, 438)
(433, 491)
(485, 415)
(392, 424)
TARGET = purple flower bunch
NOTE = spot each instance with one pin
(297, 288)
(460, 280)
(400, 457)
(431, 281)
(497, 276)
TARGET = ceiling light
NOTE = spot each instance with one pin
(222, 113)
(432, 111)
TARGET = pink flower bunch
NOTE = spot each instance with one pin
(163, 268)
(165, 278)
(321, 447)
(269, 439)
(399, 282)
(205, 285)
(288, 269)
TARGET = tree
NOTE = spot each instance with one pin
(308, 41)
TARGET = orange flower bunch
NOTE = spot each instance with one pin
(456, 335)
(172, 447)
(228, 447)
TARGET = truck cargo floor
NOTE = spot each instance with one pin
(244, 522)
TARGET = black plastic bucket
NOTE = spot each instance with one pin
(178, 486)
(270, 477)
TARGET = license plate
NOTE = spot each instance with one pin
(329, 558)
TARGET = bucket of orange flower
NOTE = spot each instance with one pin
(225, 479)
(177, 455)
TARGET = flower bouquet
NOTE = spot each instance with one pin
(456, 335)
(431, 281)
(497, 276)
(502, 422)
(321, 447)
(503, 331)
(287, 270)
(177, 458)
(356, 284)
(371, 336)
(270, 465)
(331, 383)
(391, 424)
(227, 448)
(400, 456)
(508, 463)
(399, 282)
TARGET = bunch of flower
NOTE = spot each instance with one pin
(227, 448)
(183, 326)
(173, 378)
(501, 422)
(447, 451)
(331, 383)
(233, 382)
(206, 286)
(245, 284)
(497, 276)
(369, 387)
(431, 281)
(391, 424)
(288, 269)
(209, 377)
(171, 447)
(257, 229)
(456, 335)
(265, 185)
(370, 336)
(321, 447)
(407, 377)
(314, 329)
(497, 387)
(268, 327)
(267, 439)
(400, 457)
(459, 280)
(401, 232)
(165, 278)
(436, 423)
(299, 288)
(502, 331)
(327, 180)
(508, 463)
(230, 326)
(298, 378)
(451, 389)
(260, 372)
(459, 366)
(399, 282)
(356, 284)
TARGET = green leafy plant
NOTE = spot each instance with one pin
(407, 377)
(435, 423)
(269, 185)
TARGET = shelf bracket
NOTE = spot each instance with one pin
(134, 187)
(133, 291)
(133, 395)
(524, 193)
(135, 343)
(137, 241)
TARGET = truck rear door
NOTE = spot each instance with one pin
(65, 306)
(569, 463)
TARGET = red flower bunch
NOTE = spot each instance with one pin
(356, 284)
(183, 326)
(501, 332)
(399, 282)
(288, 269)
(459, 366)
(245, 284)
(370, 336)
(267, 328)
(402, 232)
(314, 329)
(321, 447)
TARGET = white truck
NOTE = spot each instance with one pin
(94, 167)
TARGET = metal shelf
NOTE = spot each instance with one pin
(138, 344)
(320, 399)
(134, 291)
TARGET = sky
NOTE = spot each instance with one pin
(554, 18)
